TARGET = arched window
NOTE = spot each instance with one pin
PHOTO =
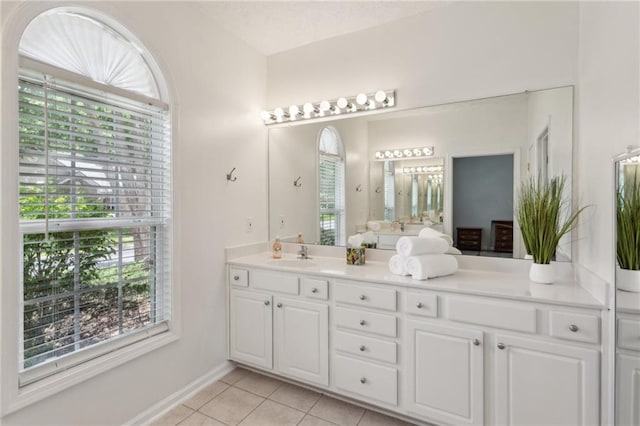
(95, 202)
(331, 178)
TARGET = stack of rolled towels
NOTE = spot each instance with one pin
(428, 255)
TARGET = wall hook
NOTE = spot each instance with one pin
(377, 190)
(297, 183)
(359, 188)
(232, 179)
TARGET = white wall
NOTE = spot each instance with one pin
(218, 84)
(609, 116)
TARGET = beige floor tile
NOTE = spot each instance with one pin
(310, 420)
(258, 384)
(174, 416)
(205, 395)
(295, 396)
(199, 419)
(271, 413)
(231, 406)
(371, 418)
(234, 376)
(339, 412)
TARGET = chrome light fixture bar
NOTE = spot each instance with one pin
(393, 154)
(346, 105)
(435, 170)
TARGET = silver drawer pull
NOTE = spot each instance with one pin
(314, 290)
(363, 380)
(476, 342)
(501, 345)
(419, 305)
(363, 297)
(363, 348)
(362, 322)
(279, 305)
(573, 328)
(266, 302)
(236, 277)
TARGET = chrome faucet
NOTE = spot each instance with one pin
(302, 253)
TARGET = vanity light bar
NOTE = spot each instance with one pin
(423, 169)
(425, 151)
(310, 110)
(635, 159)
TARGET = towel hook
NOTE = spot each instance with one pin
(297, 183)
(377, 190)
(359, 188)
(229, 175)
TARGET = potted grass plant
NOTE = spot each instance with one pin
(628, 236)
(541, 213)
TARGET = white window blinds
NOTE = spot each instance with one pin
(95, 209)
(331, 179)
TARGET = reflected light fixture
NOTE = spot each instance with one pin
(426, 151)
(344, 105)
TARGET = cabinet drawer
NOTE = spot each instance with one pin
(494, 314)
(574, 326)
(370, 322)
(367, 347)
(372, 297)
(314, 288)
(239, 277)
(629, 334)
(363, 378)
(273, 281)
(421, 304)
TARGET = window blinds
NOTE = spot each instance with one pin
(94, 214)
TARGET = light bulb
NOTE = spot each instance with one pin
(308, 108)
(417, 152)
(381, 97)
(379, 154)
(279, 112)
(361, 99)
(294, 111)
(405, 170)
(427, 151)
(388, 154)
(342, 103)
(325, 106)
(265, 115)
(372, 104)
(408, 152)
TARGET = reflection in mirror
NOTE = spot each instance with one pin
(627, 279)
(383, 195)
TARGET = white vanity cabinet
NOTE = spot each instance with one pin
(287, 334)
(628, 368)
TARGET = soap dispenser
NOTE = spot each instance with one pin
(299, 239)
(277, 248)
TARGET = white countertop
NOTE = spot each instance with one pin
(563, 291)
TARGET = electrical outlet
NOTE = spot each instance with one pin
(281, 222)
(249, 224)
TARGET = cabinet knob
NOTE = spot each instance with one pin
(501, 345)
(363, 348)
(419, 305)
(236, 277)
(476, 342)
(266, 302)
(363, 297)
(314, 290)
(573, 328)
(362, 322)
(363, 380)
(279, 305)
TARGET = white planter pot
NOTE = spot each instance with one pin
(628, 280)
(542, 274)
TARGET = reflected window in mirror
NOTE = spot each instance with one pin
(389, 191)
(331, 180)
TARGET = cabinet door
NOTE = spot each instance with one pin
(628, 389)
(302, 339)
(445, 376)
(250, 328)
(545, 383)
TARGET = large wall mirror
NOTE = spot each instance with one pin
(627, 173)
(455, 167)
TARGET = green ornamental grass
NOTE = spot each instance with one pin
(540, 214)
(628, 226)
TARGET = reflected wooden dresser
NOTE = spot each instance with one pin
(502, 235)
(469, 239)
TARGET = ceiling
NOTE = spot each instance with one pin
(275, 26)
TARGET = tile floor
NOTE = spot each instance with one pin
(244, 398)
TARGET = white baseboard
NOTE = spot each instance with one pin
(159, 409)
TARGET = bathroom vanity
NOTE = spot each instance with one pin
(483, 346)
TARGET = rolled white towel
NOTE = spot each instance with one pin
(414, 246)
(453, 250)
(373, 225)
(431, 266)
(398, 265)
(432, 233)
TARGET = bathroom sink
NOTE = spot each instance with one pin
(292, 263)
